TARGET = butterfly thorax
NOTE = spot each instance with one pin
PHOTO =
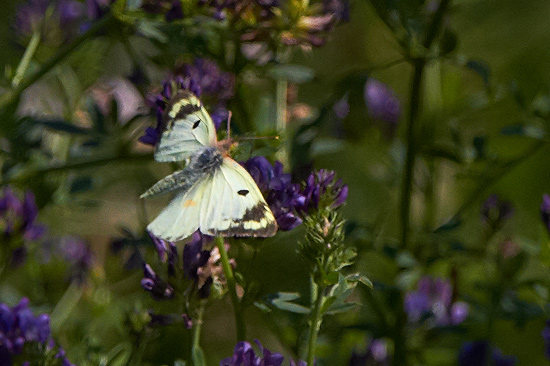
(206, 160)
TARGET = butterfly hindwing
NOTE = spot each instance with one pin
(234, 206)
(188, 129)
(181, 218)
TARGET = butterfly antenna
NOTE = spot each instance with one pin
(229, 124)
(258, 138)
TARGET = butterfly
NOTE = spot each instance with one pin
(215, 193)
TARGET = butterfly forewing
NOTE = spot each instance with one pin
(188, 129)
(235, 205)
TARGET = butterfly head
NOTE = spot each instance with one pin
(225, 146)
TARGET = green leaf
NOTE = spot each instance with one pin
(262, 307)
(327, 303)
(63, 126)
(521, 129)
(294, 73)
(151, 30)
(449, 41)
(481, 68)
(331, 278)
(450, 225)
(341, 308)
(338, 296)
(119, 355)
(81, 184)
(282, 301)
(444, 152)
(360, 278)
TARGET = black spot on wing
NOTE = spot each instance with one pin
(243, 192)
(196, 124)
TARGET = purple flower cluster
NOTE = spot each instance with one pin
(18, 216)
(376, 355)
(288, 201)
(494, 211)
(58, 21)
(481, 353)
(322, 189)
(545, 334)
(198, 264)
(244, 355)
(203, 78)
(280, 193)
(433, 302)
(18, 327)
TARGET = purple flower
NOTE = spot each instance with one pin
(74, 251)
(338, 8)
(204, 79)
(432, 301)
(481, 353)
(98, 8)
(382, 105)
(376, 355)
(18, 216)
(194, 256)
(495, 211)
(341, 107)
(57, 21)
(159, 289)
(545, 334)
(199, 265)
(18, 327)
(545, 211)
(244, 355)
(322, 186)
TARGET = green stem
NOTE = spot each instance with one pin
(81, 164)
(399, 338)
(26, 60)
(281, 111)
(414, 108)
(407, 184)
(12, 96)
(197, 353)
(315, 323)
(232, 288)
(197, 326)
